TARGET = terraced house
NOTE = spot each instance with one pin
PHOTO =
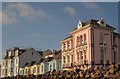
(91, 42)
(51, 60)
(16, 58)
(28, 61)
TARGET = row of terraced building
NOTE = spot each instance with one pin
(91, 43)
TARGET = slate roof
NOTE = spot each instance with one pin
(40, 52)
(93, 22)
(47, 52)
(67, 37)
(59, 56)
(31, 63)
(57, 52)
(13, 53)
(21, 51)
(41, 60)
(48, 59)
(5, 57)
(25, 65)
(116, 33)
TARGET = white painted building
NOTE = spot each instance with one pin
(16, 58)
(51, 60)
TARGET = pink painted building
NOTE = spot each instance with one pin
(92, 42)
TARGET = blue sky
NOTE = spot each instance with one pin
(43, 25)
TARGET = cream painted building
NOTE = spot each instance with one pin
(90, 43)
(51, 60)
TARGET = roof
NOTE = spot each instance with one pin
(5, 57)
(40, 52)
(92, 21)
(48, 59)
(59, 56)
(116, 33)
(47, 52)
(41, 60)
(31, 63)
(57, 52)
(83, 24)
(25, 65)
(13, 52)
(95, 22)
(68, 37)
(21, 51)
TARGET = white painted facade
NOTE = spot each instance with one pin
(10, 65)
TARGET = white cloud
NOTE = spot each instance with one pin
(12, 11)
(92, 6)
(6, 18)
(27, 11)
(70, 10)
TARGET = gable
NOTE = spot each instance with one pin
(29, 55)
(31, 52)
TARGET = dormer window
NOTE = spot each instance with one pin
(79, 25)
(101, 22)
(16, 52)
(10, 53)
